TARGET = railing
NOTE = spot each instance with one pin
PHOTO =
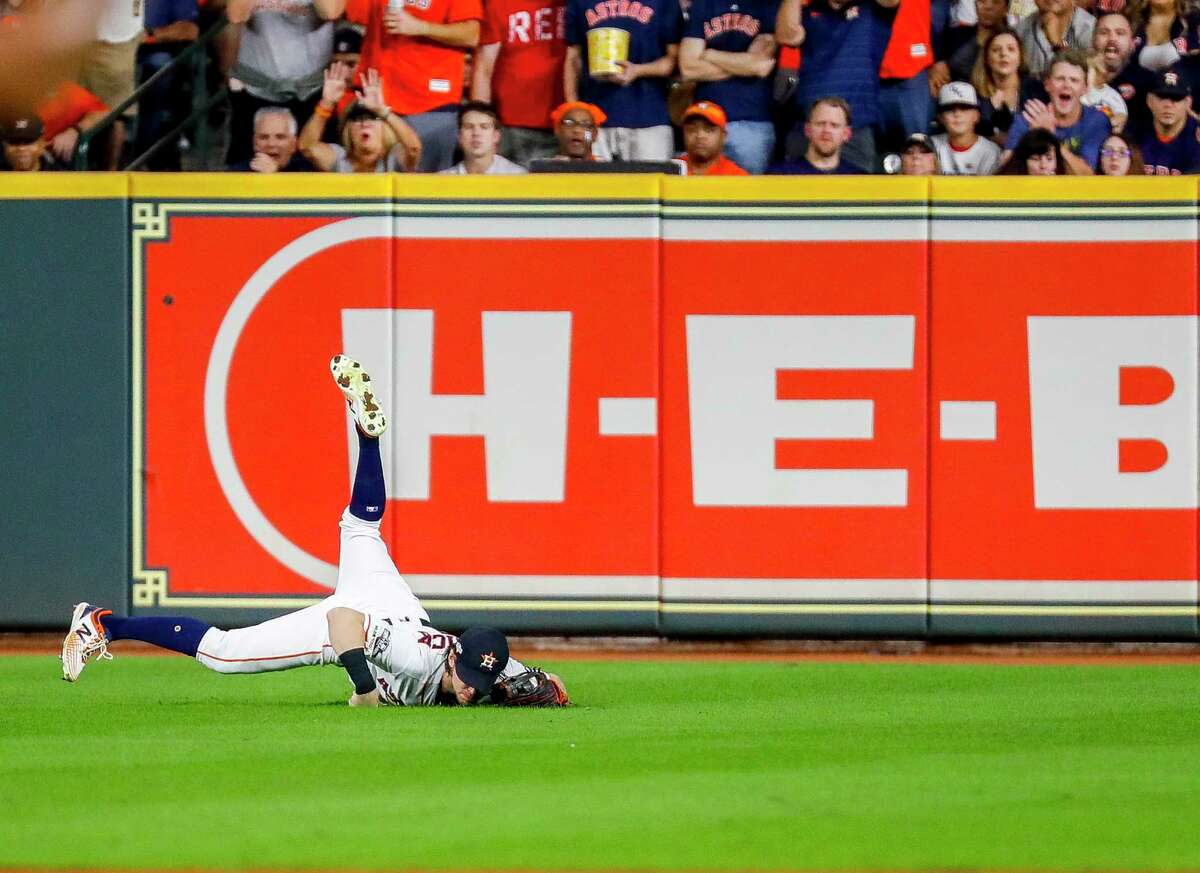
(195, 54)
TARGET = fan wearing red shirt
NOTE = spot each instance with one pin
(518, 67)
(419, 48)
(67, 112)
(704, 128)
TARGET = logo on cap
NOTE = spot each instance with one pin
(1171, 79)
(487, 661)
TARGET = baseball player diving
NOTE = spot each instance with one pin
(373, 625)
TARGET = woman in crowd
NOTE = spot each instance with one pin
(961, 45)
(374, 138)
(1037, 154)
(1003, 86)
(1120, 157)
(1164, 33)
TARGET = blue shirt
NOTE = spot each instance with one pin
(842, 52)
(803, 167)
(160, 13)
(1175, 158)
(730, 26)
(1084, 137)
(653, 25)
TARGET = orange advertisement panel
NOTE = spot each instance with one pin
(1063, 413)
(521, 382)
(794, 418)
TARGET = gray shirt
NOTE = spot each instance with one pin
(389, 164)
(501, 166)
(1036, 47)
(981, 159)
(284, 50)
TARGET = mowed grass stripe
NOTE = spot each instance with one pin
(156, 763)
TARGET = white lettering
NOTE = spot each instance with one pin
(736, 418)
(1078, 421)
(518, 26)
(522, 414)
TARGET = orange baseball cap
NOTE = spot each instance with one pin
(708, 111)
(596, 112)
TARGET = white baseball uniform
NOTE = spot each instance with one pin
(406, 655)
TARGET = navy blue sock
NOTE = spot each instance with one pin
(177, 634)
(369, 496)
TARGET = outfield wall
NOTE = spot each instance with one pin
(864, 406)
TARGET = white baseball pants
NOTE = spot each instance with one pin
(367, 581)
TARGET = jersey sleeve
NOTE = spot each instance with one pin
(512, 668)
(358, 11)
(489, 27)
(1097, 130)
(464, 10)
(672, 22)
(693, 25)
(1019, 128)
(392, 648)
(576, 26)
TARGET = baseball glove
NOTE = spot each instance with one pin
(534, 687)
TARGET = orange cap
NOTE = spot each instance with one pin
(596, 112)
(707, 110)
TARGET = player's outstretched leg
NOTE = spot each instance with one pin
(369, 495)
(93, 628)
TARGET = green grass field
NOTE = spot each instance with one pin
(155, 762)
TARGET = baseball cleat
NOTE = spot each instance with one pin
(85, 639)
(356, 386)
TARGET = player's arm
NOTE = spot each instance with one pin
(349, 642)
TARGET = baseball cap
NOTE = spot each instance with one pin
(480, 654)
(357, 111)
(347, 41)
(1170, 83)
(957, 94)
(921, 140)
(596, 112)
(708, 111)
(21, 130)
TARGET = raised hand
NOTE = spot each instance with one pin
(371, 95)
(1039, 114)
(335, 82)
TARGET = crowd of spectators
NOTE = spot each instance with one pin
(712, 87)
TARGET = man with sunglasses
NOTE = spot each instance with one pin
(1171, 148)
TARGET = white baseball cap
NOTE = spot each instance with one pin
(957, 94)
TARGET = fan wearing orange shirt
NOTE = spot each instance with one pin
(704, 126)
(419, 48)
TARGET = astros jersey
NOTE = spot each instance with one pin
(1176, 157)
(527, 81)
(652, 25)
(418, 74)
(730, 26)
(408, 660)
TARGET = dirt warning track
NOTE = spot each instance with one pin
(778, 651)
